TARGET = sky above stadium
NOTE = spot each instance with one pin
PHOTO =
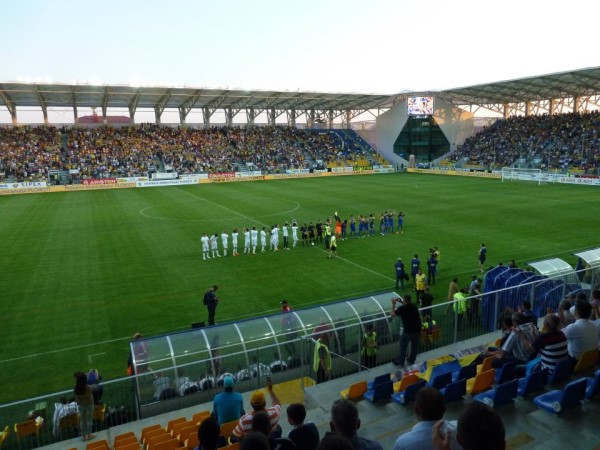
(379, 46)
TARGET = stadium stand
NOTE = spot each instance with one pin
(561, 141)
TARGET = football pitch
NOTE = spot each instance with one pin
(82, 271)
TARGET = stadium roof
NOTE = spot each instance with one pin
(584, 82)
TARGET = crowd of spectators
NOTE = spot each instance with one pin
(28, 153)
(561, 141)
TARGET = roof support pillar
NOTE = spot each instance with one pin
(576, 104)
(506, 111)
(330, 119)
(271, 117)
(310, 118)
(206, 113)
(182, 115)
(527, 109)
(75, 114)
(157, 114)
(292, 118)
(250, 116)
(348, 119)
(10, 105)
(552, 107)
(133, 107)
(229, 117)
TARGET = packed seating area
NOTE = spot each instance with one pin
(27, 153)
(561, 141)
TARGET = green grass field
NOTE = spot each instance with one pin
(82, 271)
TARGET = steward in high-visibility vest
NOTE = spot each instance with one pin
(321, 361)
(460, 307)
(369, 349)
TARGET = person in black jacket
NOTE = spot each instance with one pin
(406, 311)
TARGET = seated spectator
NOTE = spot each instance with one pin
(255, 440)
(262, 424)
(583, 334)
(345, 422)
(478, 427)
(565, 316)
(208, 434)
(429, 408)
(228, 405)
(259, 403)
(304, 435)
(62, 409)
(514, 349)
(530, 316)
(551, 345)
(332, 441)
(595, 305)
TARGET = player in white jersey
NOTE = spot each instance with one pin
(263, 239)
(205, 240)
(254, 239)
(246, 240)
(234, 237)
(284, 229)
(224, 237)
(274, 238)
(214, 245)
(294, 234)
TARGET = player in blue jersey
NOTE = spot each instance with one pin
(482, 256)
(415, 265)
(401, 222)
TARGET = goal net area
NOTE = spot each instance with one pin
(516, 174)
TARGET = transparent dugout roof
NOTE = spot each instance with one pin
(185, 347)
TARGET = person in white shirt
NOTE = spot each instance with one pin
(234, 240)
(224, 238)
(263, 239)
(62, 409)
(275, 238)
(246, 240)
(254, 239)
(205, 249)
(214, 245)
(286, 244)
(583, 334)
(294, 234)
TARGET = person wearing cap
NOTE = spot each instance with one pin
(259, 403)
(400, 273)
(228, 405)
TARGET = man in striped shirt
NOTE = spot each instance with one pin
(259, 403)
(551, 345)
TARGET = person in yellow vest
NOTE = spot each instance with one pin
(369, 348)
(420, 282)
(460, 307)
(322, 361)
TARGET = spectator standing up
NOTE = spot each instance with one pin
(228, 405)
(259, 403)
(474, 299)
(408, 313)
(85, 404)
(345, 422)
(429, 408)
(140, 353)
(369, 347)
(288, 327)
(210, 301)
(400, 273)
(482, 256)
(304, 435)
(426, 301)
(93, 380)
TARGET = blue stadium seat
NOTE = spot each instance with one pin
(505, 373)
(501, 395)
(465, 372)
(381, 392)
(441, 381)
(593, 385)
(409, 394)
(557, 401)
(562, 371)
(378, 380)
(533, 382)
(456, 391)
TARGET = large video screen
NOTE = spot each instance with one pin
(420, 106)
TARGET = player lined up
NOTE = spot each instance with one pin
(310, 234)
